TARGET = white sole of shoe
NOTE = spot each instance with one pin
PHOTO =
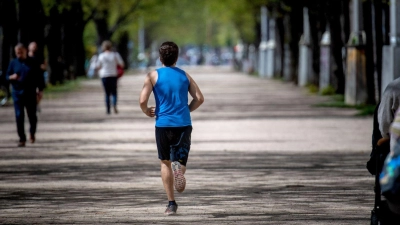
(179, 178)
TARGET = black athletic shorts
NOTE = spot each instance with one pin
(173, 143)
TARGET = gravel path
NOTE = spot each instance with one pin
(261, 154)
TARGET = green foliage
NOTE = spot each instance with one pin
(337, 101)
(329, 90)
(312, 88)
(201, 22)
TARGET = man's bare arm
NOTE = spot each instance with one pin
(145, 94)
(196, 94)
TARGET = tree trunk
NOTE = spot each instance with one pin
(280, 42)
(102, 27)
(122, 48)
(79, 47)
(378, 40)
(345, 12)
(54, 47)
(386, 23)
(296, 30)
(334, 15)
(369, 50)
(32, 22)
(9, 23)
(317, 27)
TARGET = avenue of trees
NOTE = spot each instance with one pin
(58, 26)
(70, 31)
(326, 15)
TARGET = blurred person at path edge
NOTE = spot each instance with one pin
(390, 102)
(107, 65)
(27, 83)
(170, 86)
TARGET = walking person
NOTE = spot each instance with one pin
(27, 83)
(107, 63)
(39, 59)
(170, 86)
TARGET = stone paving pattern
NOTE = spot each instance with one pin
(261, 154)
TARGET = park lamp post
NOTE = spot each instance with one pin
(325, 79)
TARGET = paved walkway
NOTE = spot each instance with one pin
(261, 154)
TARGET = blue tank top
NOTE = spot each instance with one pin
(171, 95)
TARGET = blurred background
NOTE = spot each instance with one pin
(321, 44)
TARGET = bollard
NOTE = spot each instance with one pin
(325, 77)
(287, 64)
(305, 55)
(271, 50)
(252, 59)
(262, 59)
(262, 49)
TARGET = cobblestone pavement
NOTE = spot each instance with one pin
(261, 154)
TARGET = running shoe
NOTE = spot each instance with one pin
(179, 179)
(171, 209)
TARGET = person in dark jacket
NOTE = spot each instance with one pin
(25, 76)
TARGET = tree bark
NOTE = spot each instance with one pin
(9, 23)
(369, 50)
(317, 27)
(54, 47)
(122, 48)
(296, 30)
(32, 22)
(280, 41)
(386, 23)
(100, 21)
(337, 43)
(378, 39)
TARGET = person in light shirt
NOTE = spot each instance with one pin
(107, 65)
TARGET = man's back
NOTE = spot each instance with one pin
(171, 95)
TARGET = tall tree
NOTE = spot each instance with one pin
(54, 46)
(334, 17)
(101, 19)
(31, 22)
(9, 23)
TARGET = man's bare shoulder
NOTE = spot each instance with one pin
(152, 74)
(188, 76)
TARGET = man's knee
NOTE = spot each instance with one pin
(166, 163)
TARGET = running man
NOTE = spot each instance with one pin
(170, 86)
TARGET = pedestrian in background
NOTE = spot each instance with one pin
(107, 63)
(39, 59)
(92, 70)
(26, 78)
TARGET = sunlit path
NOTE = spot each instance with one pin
(261, 154)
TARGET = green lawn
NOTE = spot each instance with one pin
(337, 101)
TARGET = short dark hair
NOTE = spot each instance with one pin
(20, 45)
(169, 52)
